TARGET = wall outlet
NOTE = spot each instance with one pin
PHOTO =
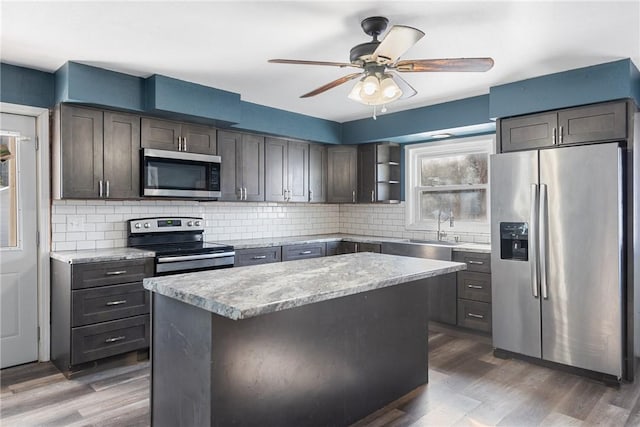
(75, 223)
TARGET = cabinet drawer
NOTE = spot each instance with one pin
(474, 286)
(475, 261)
(108, 303)
(368, 247)
(258, 256)
(474, 315)
(339, 248)
(109, 338)
(110, 273)
(303, 251)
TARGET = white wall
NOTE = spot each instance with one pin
(93, 224)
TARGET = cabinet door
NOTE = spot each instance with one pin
(121, 155)
(525, 133)
(228, 146)
(250, 166)
(275, 163)
(367, 173)
(160, 134)
(81, 145)
(298, 171)
(341, 174)
(603, 122)
(199, 139)
(317, 173)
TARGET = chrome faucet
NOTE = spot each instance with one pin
(442, 234)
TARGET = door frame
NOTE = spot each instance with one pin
(43, 219)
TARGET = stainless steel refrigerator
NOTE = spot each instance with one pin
(558, 273)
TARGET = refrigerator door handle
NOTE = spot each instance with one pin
(533, 240)
(542, 241)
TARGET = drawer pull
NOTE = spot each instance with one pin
(475, 262)
(124, 301)
(115, 273)
(115, 339)
(477, 316)
(259, 257)
(474, 286)
(305, 252)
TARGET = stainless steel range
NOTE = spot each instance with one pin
(178, 244)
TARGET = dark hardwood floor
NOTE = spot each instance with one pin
(467, 387)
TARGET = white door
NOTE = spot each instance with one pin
(18, 249)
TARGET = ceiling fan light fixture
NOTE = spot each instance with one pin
(370, 87)
(389, 89)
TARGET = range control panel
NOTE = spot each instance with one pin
(165, 224)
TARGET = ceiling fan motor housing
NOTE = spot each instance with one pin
(361, 52)
(372, 26)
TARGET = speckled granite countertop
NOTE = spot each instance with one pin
(245, 292)
(279, 241)
(101, 255)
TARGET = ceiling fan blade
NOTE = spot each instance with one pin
(331, 85)
(445, 64)
(303, 62)
(398, 40)
(407, 90)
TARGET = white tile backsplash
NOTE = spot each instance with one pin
(101, 224)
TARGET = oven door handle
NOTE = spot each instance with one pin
(194, 257)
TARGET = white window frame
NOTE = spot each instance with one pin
(451, 147)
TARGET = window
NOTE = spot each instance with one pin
(449, 182)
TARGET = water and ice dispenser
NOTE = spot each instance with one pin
(514, 241)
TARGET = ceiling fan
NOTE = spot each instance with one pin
(379, 82)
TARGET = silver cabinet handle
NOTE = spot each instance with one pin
(284, 194)
(115, 273)
(310, 195)
(259, 257)
(184, 143)
(107, 189)
(477, 316)
(474, 286)
(305, 252)
(179, 143)
(115, 339)
(124, 301)
(353, 196)
(245, 193)
(373, 196)
(543, 231)
(555, 139)
(100, 185)
(240, 196)
(475, 262)
(561, 134)
(533, 241)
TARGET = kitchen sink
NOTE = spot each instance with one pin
(419, 249)
(435, 242)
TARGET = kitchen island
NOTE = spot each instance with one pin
(321, 341)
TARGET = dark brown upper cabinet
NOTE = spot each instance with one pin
(241, 167)
(96, 154)
(342, 178)
(286, 170)
(379, 173)
(591, 123)
(176, 136)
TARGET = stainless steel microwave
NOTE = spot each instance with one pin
(179, 174)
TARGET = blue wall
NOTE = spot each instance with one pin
(588, 85)
(25, 86)
(165, 96)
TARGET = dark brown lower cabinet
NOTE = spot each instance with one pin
(98, 310)
(474, 291)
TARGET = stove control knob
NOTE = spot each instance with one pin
(137, 225)
(198, 223)
(189, 224)
(147, 225)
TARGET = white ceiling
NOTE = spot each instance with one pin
(226, 44)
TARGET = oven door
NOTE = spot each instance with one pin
(179, 174)
(170, 264)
